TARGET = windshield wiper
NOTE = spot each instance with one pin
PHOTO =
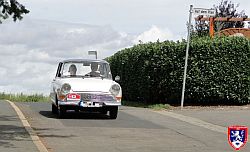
(92, 76)
(73, 76)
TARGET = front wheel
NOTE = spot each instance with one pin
(113, 112)
(54, 109)
(104, 111)
(61, 112)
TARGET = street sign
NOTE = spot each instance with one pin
(93, 53)
(204, 12)
(195, 11)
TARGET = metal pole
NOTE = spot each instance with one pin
(186, 59)
(96, 55)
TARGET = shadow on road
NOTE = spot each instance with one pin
(76, 115)
(48, 114)
(8, 118)
(51, 133)
(11, 133)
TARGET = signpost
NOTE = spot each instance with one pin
(196, 11)
(186, 59)
(93, 53)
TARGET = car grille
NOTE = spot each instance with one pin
(96, 97)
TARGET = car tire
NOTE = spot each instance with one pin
(54, 109)
(113, 112)
(61, 112)
(104, 111)
(77, 110)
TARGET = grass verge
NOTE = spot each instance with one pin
(24, 98)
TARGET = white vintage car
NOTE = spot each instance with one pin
(85, 85)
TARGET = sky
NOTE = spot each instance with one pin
(55, 30)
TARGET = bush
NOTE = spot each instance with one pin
(218, 71)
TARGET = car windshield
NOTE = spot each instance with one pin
(86, 69)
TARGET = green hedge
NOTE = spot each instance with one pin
(218, 71)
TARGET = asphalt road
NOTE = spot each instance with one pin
(135, 130)
(13, 136)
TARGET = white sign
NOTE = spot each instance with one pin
(92, 52)
(204, 12)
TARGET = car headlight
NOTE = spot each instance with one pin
(65, 88)
(115, 89)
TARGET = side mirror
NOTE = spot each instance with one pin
(117, 78)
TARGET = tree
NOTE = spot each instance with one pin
(228, 9)
(201, 28)
(11, 8)
(224, 9)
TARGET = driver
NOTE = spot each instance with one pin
(94, 72)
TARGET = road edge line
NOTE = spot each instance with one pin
(36, 140)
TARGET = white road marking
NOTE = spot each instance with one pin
(40, 146)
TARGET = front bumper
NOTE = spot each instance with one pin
(91, 99)
(89, 103)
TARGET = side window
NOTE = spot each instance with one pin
(108, 71)
(65, 69)
(58, 73)
(101, 69)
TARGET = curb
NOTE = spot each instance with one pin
(36, 140)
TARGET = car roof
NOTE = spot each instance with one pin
(82, 60)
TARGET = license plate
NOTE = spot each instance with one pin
(90, 104)
(97, 105)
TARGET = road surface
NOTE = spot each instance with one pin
(136, 129)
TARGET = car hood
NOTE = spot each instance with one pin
(88, 84)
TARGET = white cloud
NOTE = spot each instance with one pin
(155, 33)
(31, 49)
